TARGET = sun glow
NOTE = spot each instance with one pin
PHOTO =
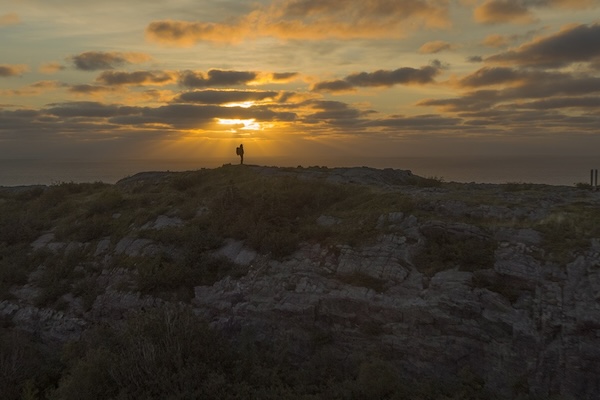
(244, 124)
(243, 104)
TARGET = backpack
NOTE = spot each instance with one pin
(237, 151)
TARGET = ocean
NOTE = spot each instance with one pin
(556, 170)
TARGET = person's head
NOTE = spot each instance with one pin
(241, 145)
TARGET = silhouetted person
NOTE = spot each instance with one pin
(240, 152)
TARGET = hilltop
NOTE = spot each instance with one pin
(265, 282)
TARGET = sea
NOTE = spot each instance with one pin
(550, 170)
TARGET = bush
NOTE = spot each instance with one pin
(445, 250)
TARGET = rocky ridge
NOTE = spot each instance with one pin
(526, 322)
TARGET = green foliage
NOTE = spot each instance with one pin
(57, 275)
(429, 182)
(445, 250)
(272, 214)
(583, 185)
(108, 201)
(86, 229)
(15, 267)
(166, 276)
(569, 229)
(24, 366)
(519, 186)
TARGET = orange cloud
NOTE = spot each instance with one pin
(34, 89)
(495, 41)
(301, 19)
(435, 47)
(9, 19)
(7, 70)
(519, 11)
(502, 11)
(51, 68)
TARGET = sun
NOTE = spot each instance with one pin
(243, 124)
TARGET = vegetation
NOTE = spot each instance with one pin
(168, 352)
(445, 249)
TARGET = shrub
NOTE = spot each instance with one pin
(164, 276)
(57, 275)
(445, 250)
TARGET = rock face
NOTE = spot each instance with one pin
(525, 324)
(526, 328)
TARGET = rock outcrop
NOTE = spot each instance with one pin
(524, 322)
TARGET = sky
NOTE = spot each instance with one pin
(154, 79)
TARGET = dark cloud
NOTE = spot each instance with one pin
(189, 116)
(335, 113)
(100, 60)
(284, 76)
(382, 78)
(528, 85)
(216, 77)
(224, 96)
(176, 116)
(88, 89)
(493, 76)
(89, 109)
(117, 78)
(565, 102)
(573, 44)
(333, 86)
(7, 70)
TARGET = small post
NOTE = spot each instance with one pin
(592, 178)
(596, 179)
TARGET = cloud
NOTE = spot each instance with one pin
(284, 76)
(88, 89)
(224, 96)
(517, 89)
(565, 102)
(171, 116)
(576, 43)
(496, 41)
(309, 19)
(139, 78)
(33, 89)
(100, 60)
(90, 109)
(51, 68)
(216, 77)
(190, 116)
(520, 11)
(9, 19)
(489, 76)
(435, 47)
(502, 11)
(427, 122)
(382, 78)
(7, 70)
(334, 113)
